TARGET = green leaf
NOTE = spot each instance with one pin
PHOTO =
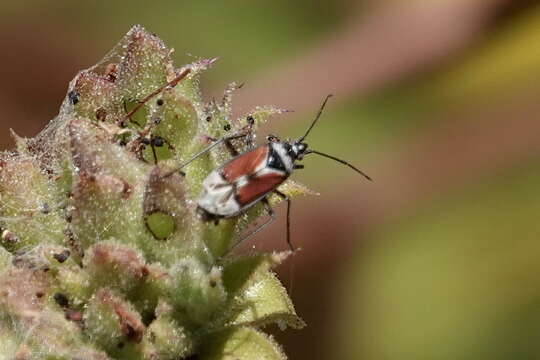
(108, 192)
(241, 344)
(29, 210)
(93, 97)
(261, 114)
(197, 293)
(166, 339)
(265, 302)
(145, 64)
(256, 295)
(160, 224)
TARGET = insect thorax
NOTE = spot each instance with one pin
(280, 157)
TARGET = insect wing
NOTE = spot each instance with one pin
(218, 196)
(258, 186)
(246, 164)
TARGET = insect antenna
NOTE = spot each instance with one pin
(171, 84)
(316, 118)
(340, 161)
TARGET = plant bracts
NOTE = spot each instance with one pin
(102, 255)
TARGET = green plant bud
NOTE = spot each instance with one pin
(102, 253)
(28, 217)
(165, 339)
(112, 322)
(195, 285)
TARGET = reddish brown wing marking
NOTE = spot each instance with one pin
(257, 187)
(244, 164)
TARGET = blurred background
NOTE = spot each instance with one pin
(438, 258)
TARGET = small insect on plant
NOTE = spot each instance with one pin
(250, 177)
(144, 136)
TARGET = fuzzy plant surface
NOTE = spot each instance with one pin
(102, 254)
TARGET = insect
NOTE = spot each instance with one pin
(251, 177)
(145, 137)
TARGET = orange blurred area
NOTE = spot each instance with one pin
(436, 100)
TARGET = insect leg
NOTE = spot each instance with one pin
(213, 145)
(241, 134)
(169, 84)
(286, 198)
(205, 150)
(154, 152)
(231, 148)
(272, 215)
(129, 118)
(248, 131)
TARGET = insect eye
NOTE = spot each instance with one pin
(227, 127)
(250, 120)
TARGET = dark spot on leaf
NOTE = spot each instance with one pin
(45, 208)
(73, 97)
(61, 300)
(101, 114)
(144, 271)
(127, 190)
(61, 257)
(227, 127)
(148, 318)
(131, 333)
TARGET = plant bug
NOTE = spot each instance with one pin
(250, 177)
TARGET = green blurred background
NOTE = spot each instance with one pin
(437, 100)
